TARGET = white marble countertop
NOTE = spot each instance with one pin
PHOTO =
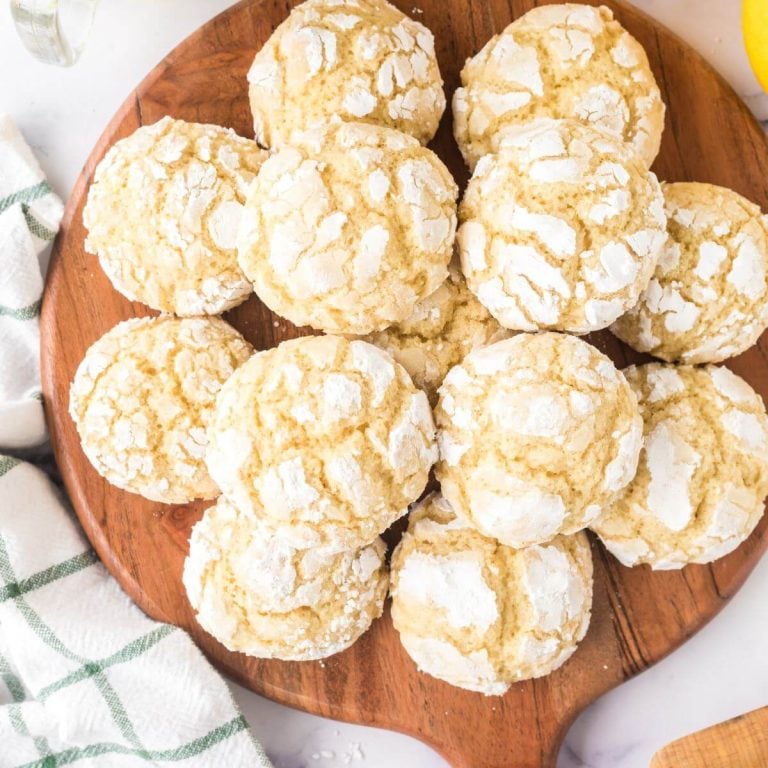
(719, 673)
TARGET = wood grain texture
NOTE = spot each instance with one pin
(741, 742)
(638, 616)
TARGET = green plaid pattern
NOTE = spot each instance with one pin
(72, 649)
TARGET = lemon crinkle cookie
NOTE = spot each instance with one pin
(537, 434)
(257, 594)
(142, 398)
(439, 332)
(561, 229)
(481, 615)
(360, 59)
(324, 439)
(346, 230)
(703, 472)
(708, 298)
(561, 61)
(163, 213)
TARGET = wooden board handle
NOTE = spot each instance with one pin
(738, 743)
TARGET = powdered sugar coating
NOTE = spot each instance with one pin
(259, 595)
(325, 440)
(537, 434)
(560, 61)
(481, 615)
(361, 60)
(163, 213)
(703, 472)
(561, 229)
(346, 230)
(439, 332)
(143, 396)
(708, 298)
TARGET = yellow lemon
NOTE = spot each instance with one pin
(754, 23)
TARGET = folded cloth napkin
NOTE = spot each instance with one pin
(29, 218)
(85, 677)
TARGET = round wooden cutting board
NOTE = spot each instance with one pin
(638, 616)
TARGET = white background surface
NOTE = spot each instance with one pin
(721, 672)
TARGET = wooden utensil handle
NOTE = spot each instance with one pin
(738, 743)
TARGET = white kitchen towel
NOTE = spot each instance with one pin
(86, 679)
(29, 218)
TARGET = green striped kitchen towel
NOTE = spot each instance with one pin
(86, 679)
(29, 217)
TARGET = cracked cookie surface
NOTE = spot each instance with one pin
(439, 333)
(257, 594)
(560, 61)
(561, 229)
(163, 212)
(481, 615)
(326, 440)
(359, 59)
(348, 228)
(537, 434)
(708, 298)
(142, 398)
(703, 471)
